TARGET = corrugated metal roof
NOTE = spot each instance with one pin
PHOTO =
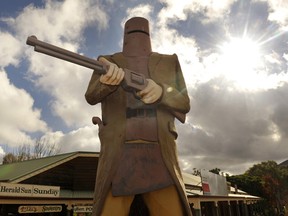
(19, 171)
(284, 163)
(190, 179)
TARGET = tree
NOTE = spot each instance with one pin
(9, 158)
(44, 147)
(215, 171)
(41, 148)
(273, 180)
(196, 172)
(249, 184)
(267, 180)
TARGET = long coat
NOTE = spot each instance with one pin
(164, 70)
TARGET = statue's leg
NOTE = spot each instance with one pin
(164, 202)
(117, 205)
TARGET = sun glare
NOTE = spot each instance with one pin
(239, 60)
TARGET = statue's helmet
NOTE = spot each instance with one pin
(136, 40)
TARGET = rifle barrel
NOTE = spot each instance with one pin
(54, 51)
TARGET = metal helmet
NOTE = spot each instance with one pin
(136, 40)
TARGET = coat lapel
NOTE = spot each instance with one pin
(153, 61)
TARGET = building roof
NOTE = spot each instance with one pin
(75, 173)
(191, 180)
(19, 171)
(284, 163)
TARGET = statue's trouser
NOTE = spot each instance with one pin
(163, 202)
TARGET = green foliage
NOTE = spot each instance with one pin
(215, 171)
(249, 184)
(196, 172)
(9, 158)
(267, 180)
(263, 168)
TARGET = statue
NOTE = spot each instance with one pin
(137, 133)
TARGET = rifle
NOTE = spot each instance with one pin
(132, 81)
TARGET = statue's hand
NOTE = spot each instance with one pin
(151, 93)
(114, 75)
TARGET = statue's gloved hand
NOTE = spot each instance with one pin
(114, 75)
(151, 93)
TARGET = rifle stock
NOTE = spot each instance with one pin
(132, 81)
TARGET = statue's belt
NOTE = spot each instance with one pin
(145, 112)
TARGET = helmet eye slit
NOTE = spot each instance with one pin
(140, 31)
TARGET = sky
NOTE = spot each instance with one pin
(233, 54)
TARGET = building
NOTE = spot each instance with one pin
(64, 185)
(234, 203)
(284, 163)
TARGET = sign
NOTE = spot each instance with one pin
(39, 209)
(26, 190)
(213, 184)
(78, 209)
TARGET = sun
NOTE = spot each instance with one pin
(239, 61)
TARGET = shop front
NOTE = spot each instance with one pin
(64, 185)
(57, 185)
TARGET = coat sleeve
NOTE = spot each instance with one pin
(97, 91)
(174, 96)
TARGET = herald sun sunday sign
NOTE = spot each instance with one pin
(26, 190)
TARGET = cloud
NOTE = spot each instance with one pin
(10, 50)
(280, 111)
(278, 12)
(18, 116)
(82, 139)
(231, 127)
(55, 22)
(66, 84)
(2, 154)
(200, 54)
(209, 11)
(142, 10)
